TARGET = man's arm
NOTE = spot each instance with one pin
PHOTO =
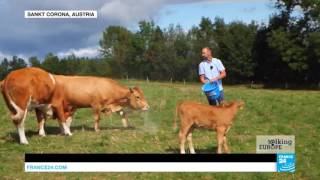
(201, 74)
(202, 79)
(222, 75)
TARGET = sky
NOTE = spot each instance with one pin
(63, 37)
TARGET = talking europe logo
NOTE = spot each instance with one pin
(283, 146)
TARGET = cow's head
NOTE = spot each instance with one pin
(137, 100)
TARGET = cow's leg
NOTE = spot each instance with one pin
(48, 111)
(220, 135)
(66, 129)
(19, 116)
(69, 114)
(189, 138)
(225, 145)
(62, 120)
(20, 128)
(61, 128)
(96, 115)
(124, 118)
(41, 117)
(55, 116)
(69, 121)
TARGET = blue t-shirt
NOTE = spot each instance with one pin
(211, 69)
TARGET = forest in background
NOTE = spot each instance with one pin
(283, 52)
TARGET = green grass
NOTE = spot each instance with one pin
(267, 112)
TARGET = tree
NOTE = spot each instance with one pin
(34, 61)
(51, 63)
(235, 45)
(203, 36)
(117, 45)
(17, 63)
(4, 68)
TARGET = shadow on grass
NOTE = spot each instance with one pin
(284, 86)
(53, 130)
(89, 128)
(208, 150)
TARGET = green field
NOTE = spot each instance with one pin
(267, 112)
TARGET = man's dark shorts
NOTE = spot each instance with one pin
(216, 102)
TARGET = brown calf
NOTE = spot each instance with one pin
(193, 115)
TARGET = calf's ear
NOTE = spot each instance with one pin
(131, 90)
(241, 104)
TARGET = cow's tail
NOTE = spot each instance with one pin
(175, 118)
(16, 112)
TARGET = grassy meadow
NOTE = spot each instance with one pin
(267, 112)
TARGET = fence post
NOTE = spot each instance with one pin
(147, 79)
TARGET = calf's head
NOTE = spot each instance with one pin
(137, 100)
(240, 104)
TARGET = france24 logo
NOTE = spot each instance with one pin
(286, 162)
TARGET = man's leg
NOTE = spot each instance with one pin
(221, 97)
(212, 101)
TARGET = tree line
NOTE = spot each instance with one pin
(286, 50)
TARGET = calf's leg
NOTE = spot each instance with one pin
(225, 145)
(189, 138)
(225, 142)
(182, 138)
(184, 129)
(220, 135)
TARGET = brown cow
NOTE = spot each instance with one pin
(100, 94)
(194, 114)
(27, 89)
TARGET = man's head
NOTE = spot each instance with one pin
(206, 53)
